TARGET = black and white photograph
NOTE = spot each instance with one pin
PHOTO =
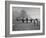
(24, 18)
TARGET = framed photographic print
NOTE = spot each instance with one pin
(24, 18)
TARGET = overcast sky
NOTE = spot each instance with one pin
(31, 12)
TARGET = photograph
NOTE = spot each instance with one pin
(24, 18)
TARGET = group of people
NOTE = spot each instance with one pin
(27, 20)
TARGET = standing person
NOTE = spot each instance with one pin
(31, 20)
(34, 22)
(22, 20)
(26, 20)
(37, 21)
